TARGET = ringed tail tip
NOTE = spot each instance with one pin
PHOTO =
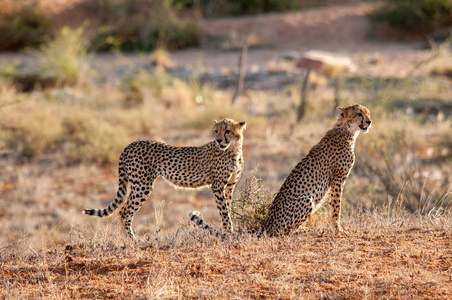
(193, 214)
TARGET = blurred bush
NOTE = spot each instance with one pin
(33, 131)
(26, 25)
(142, 35)
(89, 138)
(240, 7)
(66, 57)
(420, 16)
(126, 27)
(63, 60)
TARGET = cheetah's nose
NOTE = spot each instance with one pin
(219, 141)
(368, 122)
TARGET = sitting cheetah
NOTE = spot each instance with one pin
(217, 164)
(319, 176)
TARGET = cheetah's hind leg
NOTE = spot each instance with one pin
(138, 194)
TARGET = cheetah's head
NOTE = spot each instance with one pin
(228, 132)
(355, 118)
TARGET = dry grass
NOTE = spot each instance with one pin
(387, 258)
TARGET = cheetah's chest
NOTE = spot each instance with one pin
(229, 163)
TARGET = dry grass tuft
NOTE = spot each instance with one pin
(92, 138)
(160, 57)
(29, 139)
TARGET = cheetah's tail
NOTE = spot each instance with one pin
(98, 212)
(105, 211)
(110, 208)
(194, 216)
(120, 195)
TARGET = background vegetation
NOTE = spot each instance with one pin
(143, 25)
(25, 25)
(62, 128)
(421, 17)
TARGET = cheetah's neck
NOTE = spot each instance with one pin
(346, 136)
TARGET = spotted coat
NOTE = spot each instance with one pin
(317, 178)
(217, 164)
(320, 176)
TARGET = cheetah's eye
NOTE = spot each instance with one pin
(360, 114)
(216, 131)
(227, 131)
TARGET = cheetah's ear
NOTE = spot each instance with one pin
(215, 122)
(341, 111)
(242, 125)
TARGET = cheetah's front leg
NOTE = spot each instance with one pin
(218, 189)
(334, 201)
(228, 195)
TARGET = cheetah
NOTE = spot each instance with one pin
(217, 164)
(318, 177)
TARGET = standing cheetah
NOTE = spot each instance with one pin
(217, 164)
(318, 177)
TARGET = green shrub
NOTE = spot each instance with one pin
(260, 6)
(250, 210)
(176, 35)
(421, 16)
(137, 31)
(26, 26)
(140, 35)
(241, 7)
(65, 57)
